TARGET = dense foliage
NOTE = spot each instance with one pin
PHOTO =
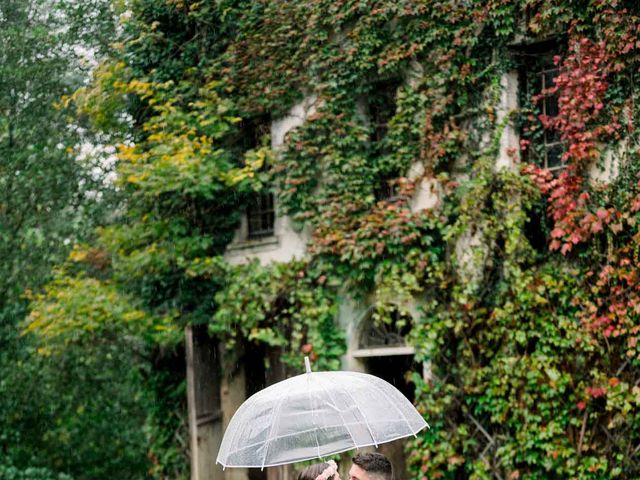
(43, 207)
(55, 409)
(530, 321)
(12, 473)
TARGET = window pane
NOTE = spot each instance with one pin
(554, 156)
(551, 106)
(538, 74)
(261, 216)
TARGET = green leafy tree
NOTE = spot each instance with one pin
(58, 410)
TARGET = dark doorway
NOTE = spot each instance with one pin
(395, 369)
(256, 380)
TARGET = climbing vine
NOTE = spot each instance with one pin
(283, 306)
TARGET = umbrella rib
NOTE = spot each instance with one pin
(328, 392)
(266, 446)
(304, 459)
(375, 442)
(247, 405)
(404, 417)
(255, 444)
(313, 415)
(231, 442)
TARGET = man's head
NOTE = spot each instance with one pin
(370, 466)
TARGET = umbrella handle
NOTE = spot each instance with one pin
(307, 365)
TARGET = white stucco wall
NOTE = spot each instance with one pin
(606, 170)
(285, 245)
(509, 153)
(472, 252)
(296, 117)
(351, 314)
(428, 190)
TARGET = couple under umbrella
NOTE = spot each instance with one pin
(364, 466)
(315, 415)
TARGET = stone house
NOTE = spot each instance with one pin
(268, 236)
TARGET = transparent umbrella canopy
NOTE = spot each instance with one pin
(314, 415)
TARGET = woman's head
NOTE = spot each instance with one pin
(320, 471)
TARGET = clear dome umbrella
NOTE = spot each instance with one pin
(314, 415)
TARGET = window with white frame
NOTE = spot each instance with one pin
(261, 216)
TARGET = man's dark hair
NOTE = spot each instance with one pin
(374, 463)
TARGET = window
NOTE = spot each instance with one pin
(382, 107)
(253, 133)
(388, 333)
(537, 74)
(386, 189)
(260, 209)
(550, 153)
(261, 216)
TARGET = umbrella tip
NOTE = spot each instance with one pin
(307, 365)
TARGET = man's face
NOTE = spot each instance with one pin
(357, 473)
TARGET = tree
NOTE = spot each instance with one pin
(47, 188)
(57, 410)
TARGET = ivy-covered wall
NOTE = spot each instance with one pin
(527, 278)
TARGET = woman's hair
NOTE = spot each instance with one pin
(312, 471)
